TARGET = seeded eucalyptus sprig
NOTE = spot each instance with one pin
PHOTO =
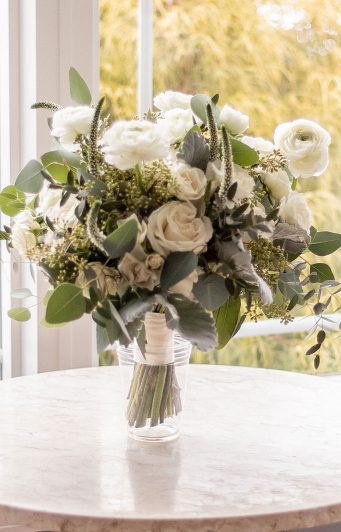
(227, 165)
(95, 235)
(93, 159)
(213, 131)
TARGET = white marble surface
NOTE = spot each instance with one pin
(260, 451)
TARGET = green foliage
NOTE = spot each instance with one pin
(21, 293)
(177, 266)
(199, 104)
(122, 240)
(210, 290)
(65, 304)
(31, 178)
(61, 156)
(243, 154)
(19, 314)
(323, 271)
(79, 91)
(324, 243)
(195, 151)
(12, 201)
(226, 320)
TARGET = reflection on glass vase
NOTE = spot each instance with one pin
(154, 382)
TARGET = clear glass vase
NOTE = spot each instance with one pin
(154, 384)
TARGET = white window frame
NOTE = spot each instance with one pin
(39, 44)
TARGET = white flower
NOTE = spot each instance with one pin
(245, 182)
(49, 205)
(135, 270)
(277, 182)
(129, 142)
(176, 227)
(106, 278)
(70, 122)
(305, 144)
(23, 239)
(235, 121)
(264, 147)
(185, 286)
(190, 182)
(154, 261)
(295, 211)
(171, 100)
(175, 123)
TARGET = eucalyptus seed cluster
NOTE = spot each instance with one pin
(273, 162)
(279, 310)
(63, 267)
(268, 260)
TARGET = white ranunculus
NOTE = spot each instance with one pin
(185, 286)
(171, 100)
(235, 121)
(176, 227)
(245, 182)
(277, 182)
(137, 273)
(129, 142)
(49, 205)
(295, 211)
(175, 123)
(107, 279)
(70, 122)
(305, 144)
(23, 239)
(264, 147)
(190, 182)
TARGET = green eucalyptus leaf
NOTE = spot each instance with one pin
(178, 265)
(226, 320)
(198, 106)
(31, 178)
(61, 157)
(19, 314)
(12, 201)
(65, 304)
(323, 271)
(79, 90)
(193, 322)
(243, 154)
(122, 240)
(324, 243)
(210, 290)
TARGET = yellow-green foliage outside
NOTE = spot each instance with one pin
(272, 74)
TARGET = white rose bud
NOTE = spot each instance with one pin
(70, 122)
(277, 182)
(185, 286)
(154, 261)
(235, 121)
(171, 100)
(190, 182)
(137, 273)
(128, 143)
(295, 211)
(176, 227)
(23, 239)
(305, 144)
(175, 123)
(264, 147)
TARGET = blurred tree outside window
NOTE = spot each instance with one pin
(273, 60)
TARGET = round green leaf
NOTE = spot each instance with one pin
(178, 265)
(324, 243)
(79, 90)
(122, 240)
(12, 201)
(210, 290)
(19, 314)
(323, 271)
(65, 304)
(30, 178)
(243, 154)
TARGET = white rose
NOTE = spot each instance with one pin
(175, 124)
(70, 122)
(171, 100)
(129, 142)
(235, 121)
(154, 261)
(305, 144)
(176, 227)
(190, 182)
(277, 182)
(185, 286)
(264, 147)
(22, 238)
(49, 205)
(137, 272)
(107, 279)
(295, 211)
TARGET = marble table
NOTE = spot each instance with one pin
(259, 451)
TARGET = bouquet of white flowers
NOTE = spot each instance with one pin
(178, 213)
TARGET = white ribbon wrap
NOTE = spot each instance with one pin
(159, 341)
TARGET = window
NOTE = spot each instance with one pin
(275, 61)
